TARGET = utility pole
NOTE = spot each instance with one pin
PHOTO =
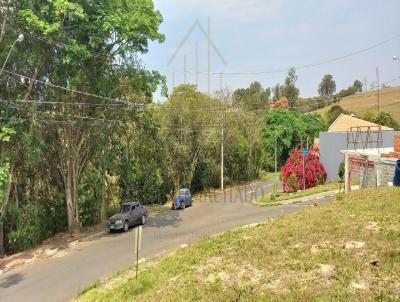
(378, 85)
(276, 158)
(209, 56)
(222, 144)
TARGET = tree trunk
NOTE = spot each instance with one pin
(70, 198)
(6, 199)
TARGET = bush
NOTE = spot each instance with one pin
(293, 174)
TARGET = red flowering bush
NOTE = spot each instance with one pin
(293, 174)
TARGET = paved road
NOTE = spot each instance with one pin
(59, 279)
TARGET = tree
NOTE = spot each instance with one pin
(289, 90)
(5, 179)
(358, 86)
(99, 35)
(327, 87)
(296, 174)
(285, 130)
(385, 119)
(253, 98)
(277, 91)
(333, 113)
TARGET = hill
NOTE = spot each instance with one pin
(345, 251)
(368, 101)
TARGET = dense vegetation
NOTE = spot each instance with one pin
(71, 155)
(80, 131)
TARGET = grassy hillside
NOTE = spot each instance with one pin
(360, 103)
(346, 251)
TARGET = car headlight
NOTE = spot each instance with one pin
(118, 222)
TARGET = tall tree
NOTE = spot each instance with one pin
(253, 98)
(358, 86)
(104, 39)
(290, 91)
(327, 87)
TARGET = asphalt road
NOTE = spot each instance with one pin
(60, 279)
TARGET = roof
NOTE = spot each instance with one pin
(344, 122)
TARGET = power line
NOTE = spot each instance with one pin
(284, 69)
(66, 89)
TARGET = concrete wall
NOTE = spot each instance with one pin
(331, 143)
(382, 173)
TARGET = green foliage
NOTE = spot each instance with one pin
(333, 113)
(289, 90)
(351, 90)
(286, 130)
(253, 98)
(385, 119)
(327, 87)
(341, 171)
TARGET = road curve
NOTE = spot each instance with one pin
(60, 279)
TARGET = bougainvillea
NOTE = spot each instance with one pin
(293, 173)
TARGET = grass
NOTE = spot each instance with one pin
(363, 102)
(346, 251)
(280, 196)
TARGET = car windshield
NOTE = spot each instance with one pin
(181, 193)
(125, 209)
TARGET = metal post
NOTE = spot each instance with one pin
(137, 252)
(304, 173)
(276, 159)
(222, 147)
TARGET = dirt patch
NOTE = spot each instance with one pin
(351, 245)
(326, 271)
(372, 226)
(231, 275)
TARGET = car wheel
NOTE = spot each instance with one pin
(183, 205)
(143, 220)
(126, 226)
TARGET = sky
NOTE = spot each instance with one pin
(254, 35)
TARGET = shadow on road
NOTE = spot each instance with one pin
(163, 219)
(12, 280)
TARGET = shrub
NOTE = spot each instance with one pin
(293, 174)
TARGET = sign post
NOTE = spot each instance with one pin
(138, 245)
(305, 153)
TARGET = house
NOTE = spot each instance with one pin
(345, 122)
(283, 103)
(350, 133)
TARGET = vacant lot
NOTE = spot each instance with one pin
(347, 251)
(389, 101)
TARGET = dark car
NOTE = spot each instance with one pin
(182, 199)
(130, 214)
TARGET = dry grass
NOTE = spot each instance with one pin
(363, 102)
(346, 251)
